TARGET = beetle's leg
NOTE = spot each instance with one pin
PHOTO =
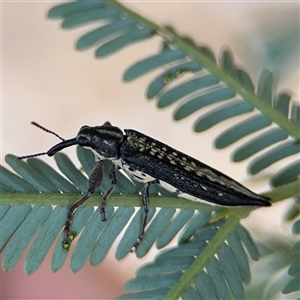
(94, 182)
(113, 180)
(145, 201)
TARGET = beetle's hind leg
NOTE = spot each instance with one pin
(145, 201)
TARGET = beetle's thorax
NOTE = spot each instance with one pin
(105, 141)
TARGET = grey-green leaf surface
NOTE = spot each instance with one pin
(24, 235)
(81, 217)
(46, 236)
(11, 221)
(142, 67)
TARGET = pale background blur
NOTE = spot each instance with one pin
(45, 80)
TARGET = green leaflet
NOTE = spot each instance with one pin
(270, 137)
(220, 286)
(221, 113)
(35, 178)
(277, 153)
(60, 182)
(181, 218)
(11, 221)
(98, 35)
(24, 234)
(123, 40)
(240, 130)
(13, 182)
(204, 287)
(45, 239)
(84, 17)
(110, 233)
(155, 229)
(190, 294)
(216, 95)
(173, 73)
(296, 227)
(240, 257)
(67, 167)
(63, 10)
(89, 236)
(81, 217)
(132, 231)
(142, 67)
(231, 272)
(182, 90)
(151, 282)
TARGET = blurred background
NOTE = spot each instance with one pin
(45, 80)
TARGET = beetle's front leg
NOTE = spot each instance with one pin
(94, 182)
(113, 180)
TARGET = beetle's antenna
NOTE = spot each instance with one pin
(31, 155)
(42, 153)
(47, 130)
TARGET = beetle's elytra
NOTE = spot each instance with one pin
(151, 162)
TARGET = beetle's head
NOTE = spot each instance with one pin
(103, 140)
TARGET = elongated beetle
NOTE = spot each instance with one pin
(151, 162)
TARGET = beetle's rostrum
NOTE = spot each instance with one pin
(150, 161)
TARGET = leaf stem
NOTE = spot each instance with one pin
(65, 199)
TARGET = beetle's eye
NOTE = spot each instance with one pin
(83, 141)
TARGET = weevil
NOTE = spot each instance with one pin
(150, 161)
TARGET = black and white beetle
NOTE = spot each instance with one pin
(150, 161)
